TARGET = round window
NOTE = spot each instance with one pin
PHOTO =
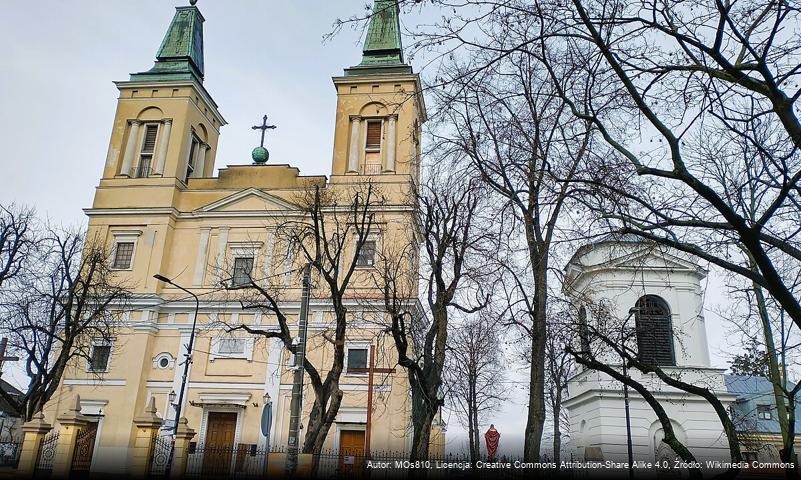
(164, 362)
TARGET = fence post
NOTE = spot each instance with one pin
(34, 432)
(146, 425)
(305, 465)
(70, 423)
(276, 464)
(180, 454)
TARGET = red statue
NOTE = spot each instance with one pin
(492, 437)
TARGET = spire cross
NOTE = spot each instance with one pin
(263, 127)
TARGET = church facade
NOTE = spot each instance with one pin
(162, 209)
(650, 299)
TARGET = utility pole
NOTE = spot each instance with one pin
(297, 386)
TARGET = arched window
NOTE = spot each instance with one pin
(654, 331)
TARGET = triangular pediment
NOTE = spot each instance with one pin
(248, 200)
(653, 260)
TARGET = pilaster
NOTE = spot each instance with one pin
(181, 449)
(34, 432)
(70, 424)
(146, 425)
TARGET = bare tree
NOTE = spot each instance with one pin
(474, 370)
(16, 239)
(515, 133)
(559, 368)
(771, 349)
(452, 242)
(64, 300)
(329, 236)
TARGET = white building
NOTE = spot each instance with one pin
(656, 297)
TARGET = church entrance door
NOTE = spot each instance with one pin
(219, 445)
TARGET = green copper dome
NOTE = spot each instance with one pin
(260, 155)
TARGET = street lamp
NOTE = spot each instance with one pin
(623, 337)
(188, 355)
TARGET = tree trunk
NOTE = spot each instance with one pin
(473, 420)
(779, 384)
(536, 393)
(557, 428)
(320, 422)
(421, 436)
(422, 416)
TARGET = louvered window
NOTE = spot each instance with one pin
(147, 150)
(373, 135)
(654, 331)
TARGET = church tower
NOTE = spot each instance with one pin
(166, 125)
(380, 107)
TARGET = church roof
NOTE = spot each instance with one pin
(383, 50)
(180, 56)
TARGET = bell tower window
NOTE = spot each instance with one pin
(194, 153)
(147, 150)
(654, 331)
(372, 148)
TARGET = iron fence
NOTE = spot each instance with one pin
(240, 461)
(46, 455)
(160, 455)
(9, 453)
(250, 461)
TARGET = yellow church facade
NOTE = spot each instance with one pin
(162, 209)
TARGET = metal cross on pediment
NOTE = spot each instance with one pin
(263, 127)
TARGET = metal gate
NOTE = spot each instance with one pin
(160, 455)
(84, 448)
(45, 456)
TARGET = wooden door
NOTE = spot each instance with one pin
(218, 447)
(351, 451)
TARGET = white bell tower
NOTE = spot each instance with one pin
(656, 293)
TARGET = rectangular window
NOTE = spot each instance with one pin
(147, 150)
(243, 267)
(366, 256)
(357, 358)
(98, 361)
(193, 153)
(764, 412)
(123, 254)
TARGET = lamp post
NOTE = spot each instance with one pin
(188, 355)
(187, 362)
(623, 337)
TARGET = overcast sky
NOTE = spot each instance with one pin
(57, 102)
